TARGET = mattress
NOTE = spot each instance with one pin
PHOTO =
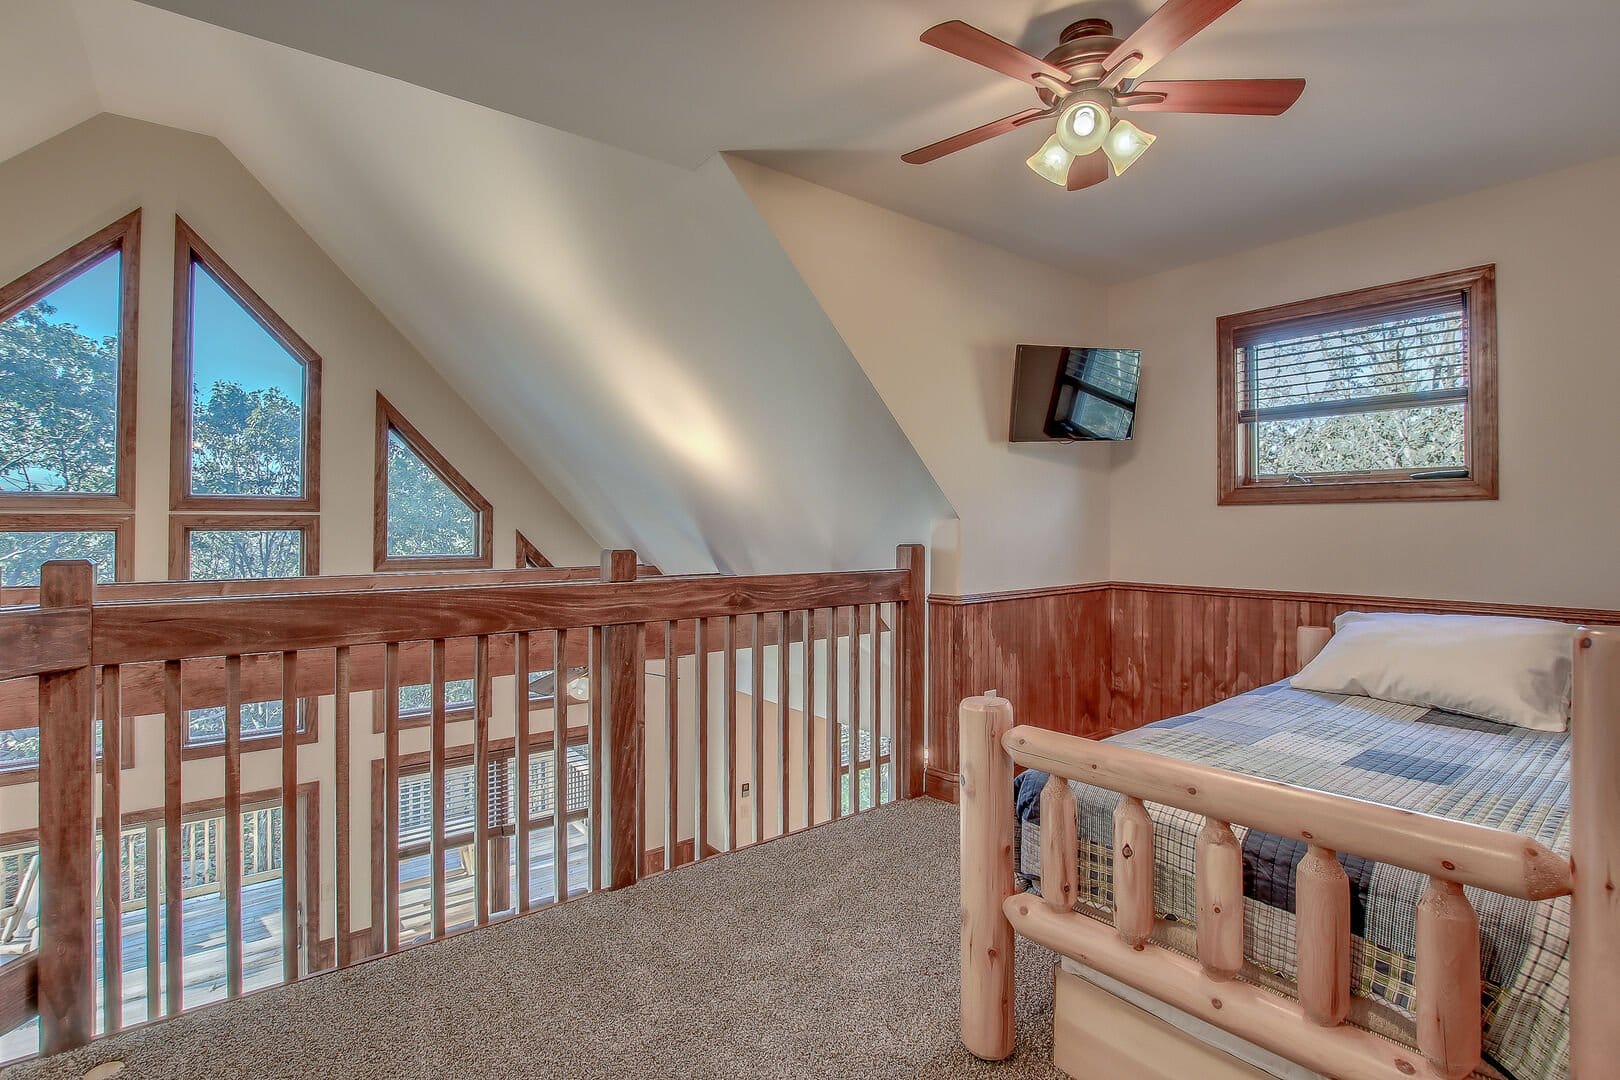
(1400, 755)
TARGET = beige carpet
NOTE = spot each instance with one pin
(828, 954)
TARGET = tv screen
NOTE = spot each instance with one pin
(1074, 394)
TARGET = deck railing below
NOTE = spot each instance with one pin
(460, 751)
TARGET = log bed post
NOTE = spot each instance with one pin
(987, 877)
(1595, 842)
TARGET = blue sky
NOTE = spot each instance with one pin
(227, 342)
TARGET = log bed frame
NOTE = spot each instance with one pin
(1097, 1034)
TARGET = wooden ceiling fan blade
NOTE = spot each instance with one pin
(1237, 97)
(962, 141)
(960, 39)
(1165, 31)
(1086, 171)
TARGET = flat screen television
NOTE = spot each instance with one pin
(1073, 394)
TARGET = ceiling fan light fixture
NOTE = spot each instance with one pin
(1083, 124)
(1051, 162)
(1125, 144)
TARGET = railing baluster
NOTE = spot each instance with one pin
(876, 640)
(1322, 902)
(559, 765)
(1219, 881)
(1448, 980)
(700, 739)
(154, 922)
(855, 726)
(784, 730)
(728, 730)
(520, 762)
(341, 888)
(233, 826)
(757, 723)
(1133, 872)
(390, 822)
(289, 815)
(1060, 845)
(112, 846)
(597, 718)
(835, 738)
(809, 713)
(483, 867)
(173, 957)
(437, 769)
(672, 748)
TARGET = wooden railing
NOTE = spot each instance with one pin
(775, 703)
(1311, 1031)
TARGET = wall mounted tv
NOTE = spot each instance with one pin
(1071, 394)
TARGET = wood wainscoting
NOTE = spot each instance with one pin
(1094, 659)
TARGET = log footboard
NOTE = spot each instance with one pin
(1311, 1031)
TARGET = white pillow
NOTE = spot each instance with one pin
(1516, 671)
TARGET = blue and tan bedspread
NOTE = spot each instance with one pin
(1401, 755)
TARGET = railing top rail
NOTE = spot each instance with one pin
(37, 641)
(135, 631)
(413, 579)
(1493, 859)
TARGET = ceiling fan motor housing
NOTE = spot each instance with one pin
(1081, 50)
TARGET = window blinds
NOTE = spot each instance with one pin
(1412, 354)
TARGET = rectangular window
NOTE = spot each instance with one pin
(1382, 394)
(246, 393)
(28, 542)
(217, 548)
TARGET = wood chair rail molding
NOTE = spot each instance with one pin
(1095, 658)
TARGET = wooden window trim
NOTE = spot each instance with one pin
(308, 709)
(1478, 286)
(121, 525)
(123, 236)
(390, 418)
(181, 526)
(530, 557)
(461, 715)
(188, 246)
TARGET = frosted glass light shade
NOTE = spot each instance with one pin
(1082, 127)
(1125, 144)
(1051, 162)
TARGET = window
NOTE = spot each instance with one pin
(29, 541)
(246, 397)
(428, 517)
(67, 377)
(1382, 394)
(205, 548)
(530, 557)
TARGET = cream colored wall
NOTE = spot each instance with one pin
(1549, 539)
(933, 318)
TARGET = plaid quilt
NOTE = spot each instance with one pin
(1401, 755)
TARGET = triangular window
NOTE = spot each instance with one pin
(430, 517)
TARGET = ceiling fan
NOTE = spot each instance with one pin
(1089, 77)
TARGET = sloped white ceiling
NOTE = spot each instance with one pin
(630, 327)
(1408, 101)
(45, 82)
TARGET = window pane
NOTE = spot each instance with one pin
(1406, 439)
(258, 718)
(19, 748)
(59, 387)
(247, 400)
(418, 700)
(22, 553)
(425, 516)
(246, 553)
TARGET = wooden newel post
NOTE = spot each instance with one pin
(1595, 840)
(625, 744)
(909, 679)
(67, 978)
(986, 799)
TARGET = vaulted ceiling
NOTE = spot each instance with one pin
(1408, 101)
